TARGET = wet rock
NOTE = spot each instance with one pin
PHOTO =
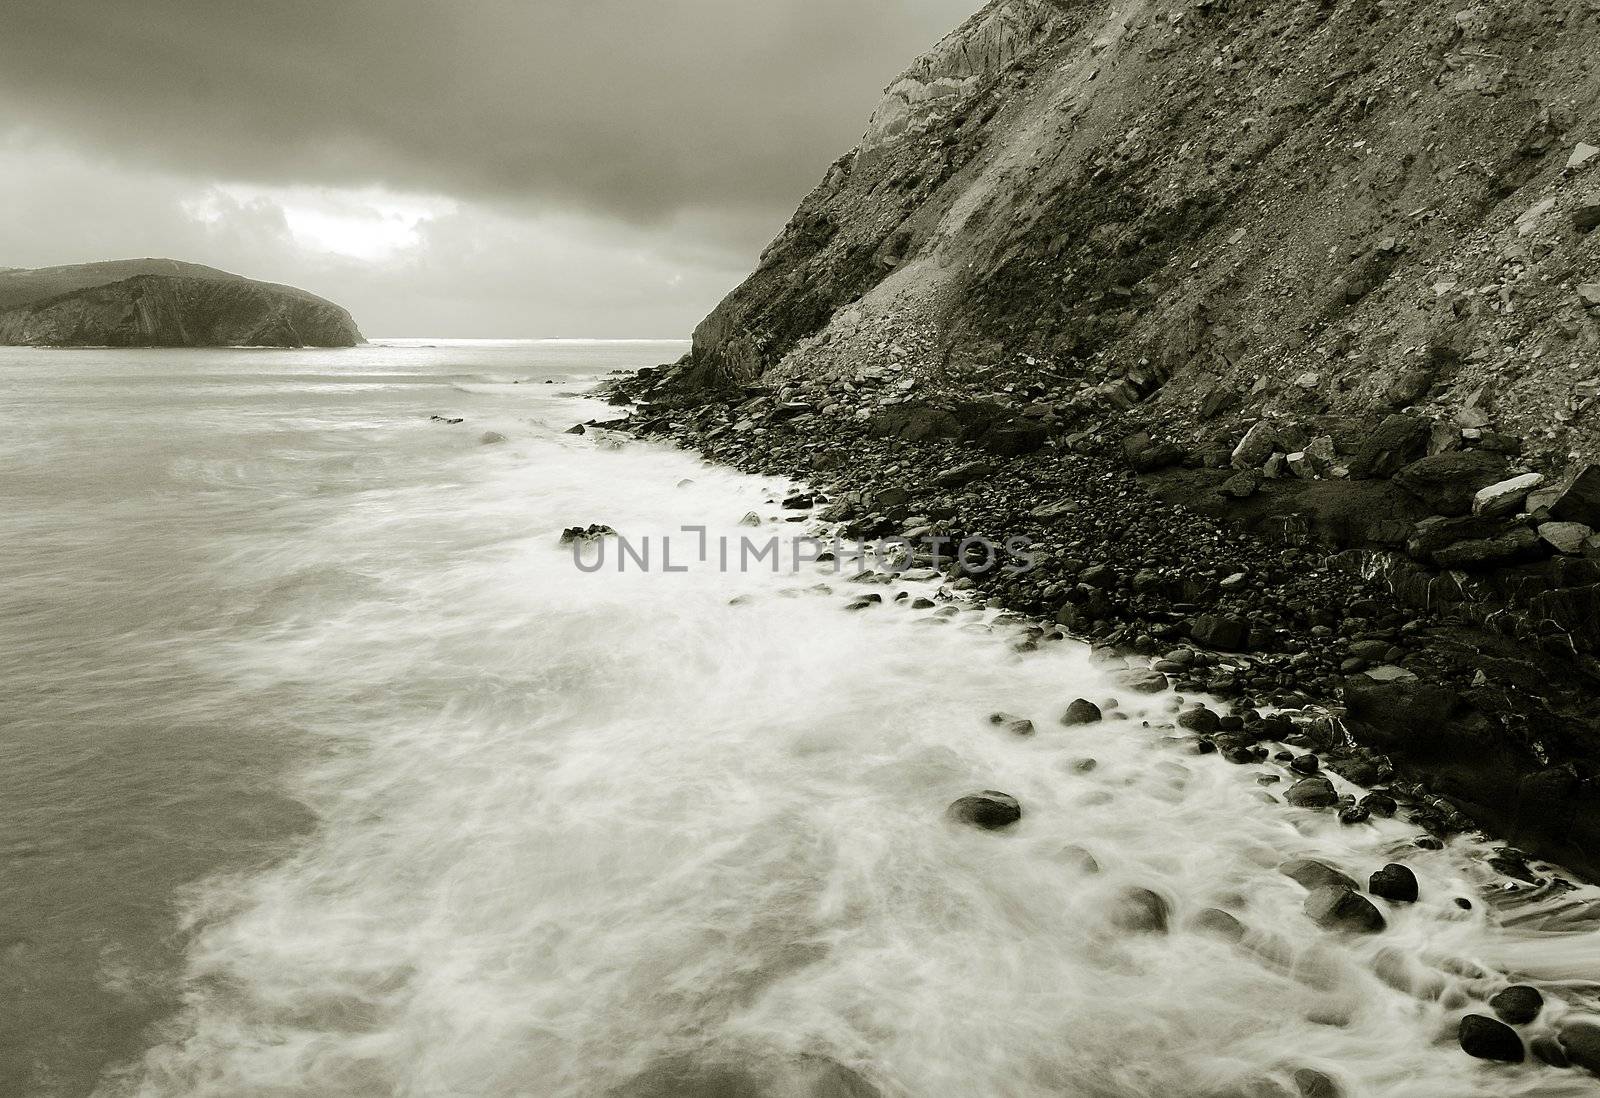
(1353, 814)
(1546, 1048)
(1489, 1039)
(576, 429)
(1218, 923)
(1081, 711)
(1312, 1083)
(1335, 908)
(1312, 874)
(593, 532)
(1518, 1004)
(799, 502)
(989, 809)
(1199, 719)
(1379, 804)
(1447, 482)
(451, 420)
(1580, 1040)
(1017, 726)
(1505, 497)
(1394, 882)
(1079, 858)
(1143, 682)
(491, 438)
(1315, 792)
(1140, 911)
(1305, 764)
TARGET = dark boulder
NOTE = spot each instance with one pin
(914, 423)
(1420, 717)
(1489, 1039)
(1513, 547)
(1315, 792)
(1447, 482)
(1224, 631)
(1394, 882)
(959, 476)
(989, 809)
(1580, 1040)
(1518, 1004)
(1334, 908)
(1199, 719)
(1580, 501)
(1081, 711)
(1139, 910)
(1312, 874)
(1394, 443)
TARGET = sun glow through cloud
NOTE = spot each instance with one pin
(368, 223)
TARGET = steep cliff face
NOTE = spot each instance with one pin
(160, 303)
(1340, 206)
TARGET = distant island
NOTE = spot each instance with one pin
(163, 303)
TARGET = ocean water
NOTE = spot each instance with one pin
(326, 771)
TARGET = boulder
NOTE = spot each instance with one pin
(1061, 508)
(1200, 719)
(1489, 1039)
(1314, 792)
(961, 475)
(1565, 537)
(1586, 215)
(1394, 882)
(1143, 682)
(1225, 631)
(1580, 1040)
(1081, 711)
(1335, 908)
(1580, 500)
(1394, 443)
(1514, 546)
(989, 809)
(1447, 482)
(1140, 911)
(1239, 486)
(1256, 446)
(1311, 874)
(1416, 716)
(1432, 534)
(1505, 497)
(1518, 1004)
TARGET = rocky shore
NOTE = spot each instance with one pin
(1462, 715)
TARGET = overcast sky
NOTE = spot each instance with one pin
(441, 167)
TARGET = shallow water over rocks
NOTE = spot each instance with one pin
(531, 830)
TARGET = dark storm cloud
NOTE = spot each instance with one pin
(629, 109)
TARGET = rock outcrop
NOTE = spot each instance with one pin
(161, 303)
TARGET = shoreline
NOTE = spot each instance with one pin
(1211, 607)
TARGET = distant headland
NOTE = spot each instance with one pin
(163, 303)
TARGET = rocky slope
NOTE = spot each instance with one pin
(163, 303)
(1276, 325)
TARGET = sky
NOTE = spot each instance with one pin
(493, 168)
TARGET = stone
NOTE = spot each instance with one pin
(1140, 911)
(1312, 1083)
(576, 429)
(1396, 442)
(1143, 682)
(1061, 508)
(1447, 482)
(593, 532)
(750, 519)
(1081, 711)
(1335, 908)
(1505, 497)
(491, 438)
(1519, 544)
(961, 475)
(1315, 792)
(990, 810)
(1379, 804)
(1565, 537)
(1489, 1039)
(1200, 719)
(1017, 726)
(1312, 874)
(1518, 1004)
(1224, 631)
(1582, 153)
(1586, 216)
(1301, 466)
(1239, 486)
(1256, 446)
(1589, 294)
(1579, 501)
(1580, 1040)
(1394, 882)
(1217, 923)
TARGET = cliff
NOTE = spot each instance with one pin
(163, 303)
(1274, 326)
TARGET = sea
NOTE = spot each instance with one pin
(328, 769)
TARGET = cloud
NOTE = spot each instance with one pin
(637, 109)
(472, 167)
